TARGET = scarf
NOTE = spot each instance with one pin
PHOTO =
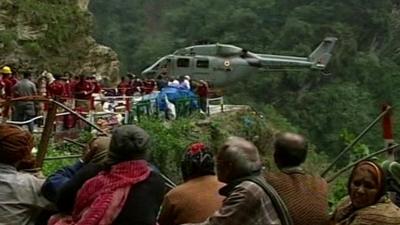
(15, 144)
(102, 198)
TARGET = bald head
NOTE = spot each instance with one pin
(290, 150)
(237, 158)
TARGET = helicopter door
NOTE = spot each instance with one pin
(202, 68)
(182, 66)
(165, 66)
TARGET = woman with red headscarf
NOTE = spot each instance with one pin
(197, 198)
(367, 203)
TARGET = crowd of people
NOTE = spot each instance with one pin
(81, 89)
(115, 183)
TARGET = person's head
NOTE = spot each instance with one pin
(68, 75)
(128, 142)
(14, 73)
(290, 150)
(27, 75)
(15, 144)
(82, 76)
(366, 184)
(187, 77)
(198, 161)
(131, 76)
(57, 76)
(237, 158)
(6, 71)
(91, 78)
(98, 149)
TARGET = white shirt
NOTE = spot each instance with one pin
(185, 84)
(174, 83)
(20, 197)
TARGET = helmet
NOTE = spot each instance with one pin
(6, 70)
(197, 161)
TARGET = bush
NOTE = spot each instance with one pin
(169, 140)
(32, 48)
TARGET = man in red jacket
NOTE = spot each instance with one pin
(83, 91)
(56, 89)
(202, 91)
(123, 86)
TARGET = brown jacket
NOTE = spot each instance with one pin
(305, 196)
(191, 202)
(246, 203)
(382, 213)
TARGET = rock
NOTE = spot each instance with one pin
(37, 37)
(103, 61)
(83, 4)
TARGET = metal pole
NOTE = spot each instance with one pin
(75, 142)
(167, 180)
(47, 130)
(362, 159)
(355, 141)
(63, 157)
(80, 117)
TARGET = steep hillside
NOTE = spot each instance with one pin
(363, 73)
(52, 35)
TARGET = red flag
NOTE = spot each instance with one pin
(387, 124)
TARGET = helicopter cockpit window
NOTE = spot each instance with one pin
(182, 62)
(204, 63)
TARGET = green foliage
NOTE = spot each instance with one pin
(359, 150)
(338, 190)
(64, 149)
(52, 33)
(64, 21)
(7, 38)
(169, 141)
(32, 48)
(51, 166)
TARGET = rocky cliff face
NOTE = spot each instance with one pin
(52, 35)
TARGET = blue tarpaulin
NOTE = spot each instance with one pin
(174, 94)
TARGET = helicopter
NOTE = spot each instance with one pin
(220, 64)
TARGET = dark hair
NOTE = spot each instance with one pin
(198, 163)
(57, 76)
(289, 153)
(27, 74)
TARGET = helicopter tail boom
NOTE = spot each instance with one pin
(318, 59)
(321, 56)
